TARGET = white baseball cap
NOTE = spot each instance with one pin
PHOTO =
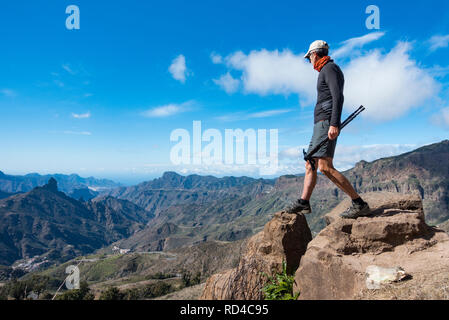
(317, 44)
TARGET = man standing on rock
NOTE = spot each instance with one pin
(326, 124)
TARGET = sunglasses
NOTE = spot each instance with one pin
(308, 58)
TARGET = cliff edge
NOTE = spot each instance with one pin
(336, 262)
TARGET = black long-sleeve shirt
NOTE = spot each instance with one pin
(330, 94)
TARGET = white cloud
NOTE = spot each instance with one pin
(228, 83)
(59, 83)
(178, 68)
(358, 42)
(262, 114)
(441, 118)
(346, 156)
(168, 110)
(290, 160)
(81, 115)
(293, 153)
(269, 113)
(67, 68)
(8, 93)
(77, 70)
(280, 72)
(83, 133)
(438, 71)
(438, 41)
(273, 72)
(220, 169)
(216, 58)
(388, 85)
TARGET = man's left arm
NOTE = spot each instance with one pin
(335, 83)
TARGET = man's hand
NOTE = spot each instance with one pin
(333, 132)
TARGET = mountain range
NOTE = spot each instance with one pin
(45, 221)
(194, 209)
(66, 183)
(186, 213)
(176, 211)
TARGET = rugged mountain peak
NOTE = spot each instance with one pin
(171, 176)
(284, 238)
(444, 143)
(52, 185)
(361, 164)
(395, 236)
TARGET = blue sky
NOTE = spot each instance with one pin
(103, 100)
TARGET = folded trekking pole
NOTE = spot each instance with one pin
(308, 156)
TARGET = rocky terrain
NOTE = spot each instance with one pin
(336, 261)
(193, 209)
(140, 269)
(397, 236)
(5, 194)
(424, 171)
(444, 226)
(284, 238)
(189, 293)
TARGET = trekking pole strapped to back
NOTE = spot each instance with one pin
(308, 156)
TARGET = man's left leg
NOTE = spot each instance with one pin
(359, 207)
(326, 167)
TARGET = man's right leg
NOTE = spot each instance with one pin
(309, 180)
(302, 205)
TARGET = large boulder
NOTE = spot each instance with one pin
(335, 263)
(284, 238)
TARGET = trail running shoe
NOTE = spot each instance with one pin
(298, 207)
(356, 210)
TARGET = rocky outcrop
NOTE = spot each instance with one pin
(284, 238)
(444, 226)
(334, 265)
(344, 259)
(52, 185)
